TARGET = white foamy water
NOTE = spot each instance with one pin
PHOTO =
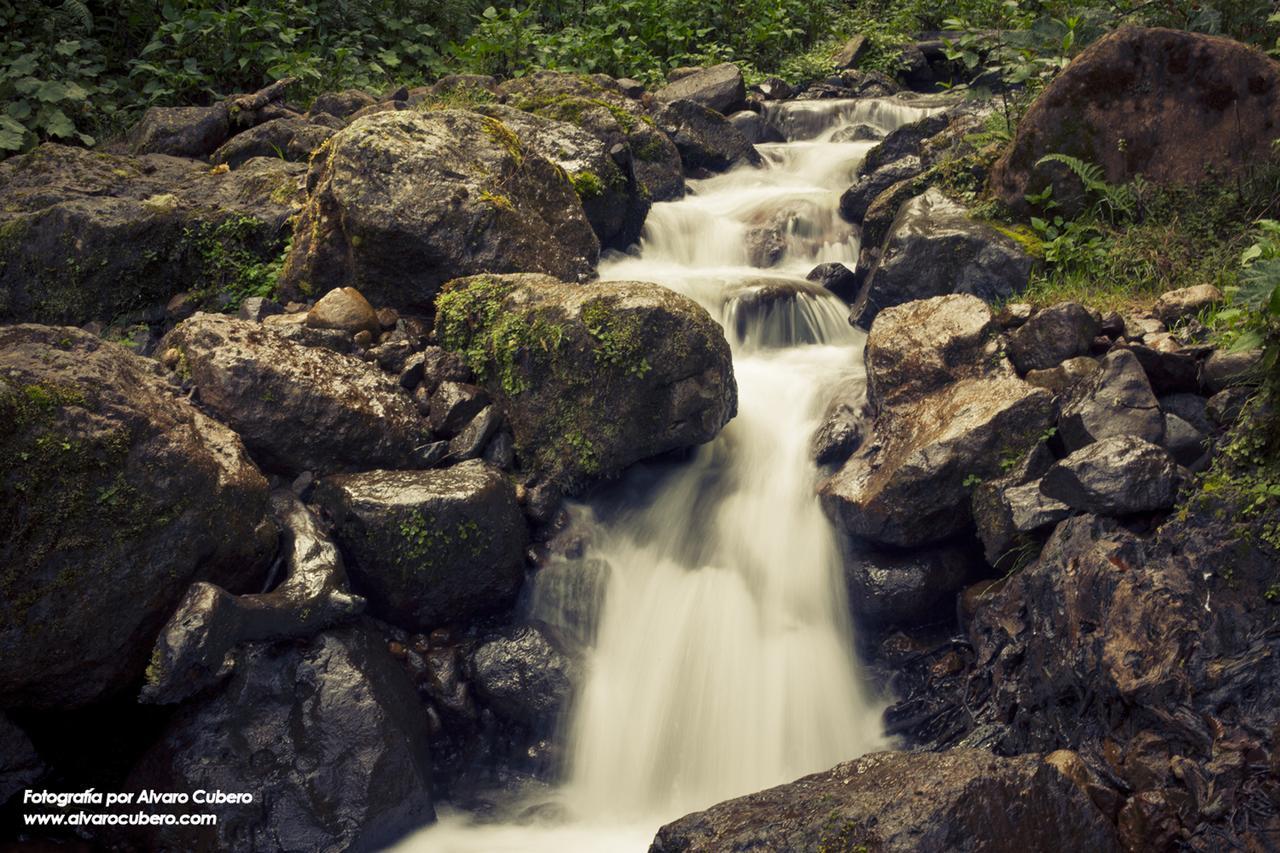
(724, 659)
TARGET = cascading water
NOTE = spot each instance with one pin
(723, 660)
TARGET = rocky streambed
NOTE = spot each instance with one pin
(303, 546)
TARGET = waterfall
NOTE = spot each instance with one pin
(723, 659)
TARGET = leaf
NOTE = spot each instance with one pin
(13, 135)
(51, 91)
(67, 47)
(56, 123)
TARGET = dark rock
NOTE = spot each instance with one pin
(934, 247)
(1115, 401)
(775, 89)
(883, 212)
(341, 104)
(194, 650)
(117, 495)
(523, 677)
(858, 198)
(1121, 475)
(180, 131)
(1190, 408)
(20, 764)
(1170, 372)
(901, 590)
(1224, 369)
(470, 443)
(844, 426)
(429, 548)
(329, 737)
(705, 139)
(837, 278)
(718, 88)
(630, 88)
(958, 800)
(1052, 336)
(501, 451)
(453, 405)
(1155, 89)
(848, 56)
(858, 133)
(904, 142)
(439, 365)
(491, 207)
(1006, 513)
(292, 139)
(1183, 441)
(298, 408)
(612, 373)
(90, 235)
(1113, 325)
(755, 128)
(1224, 408)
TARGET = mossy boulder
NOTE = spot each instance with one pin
(592, 378)
(613, 200)
(401, 202)
(1175, 107)
(298, 408)
(597, 105)
(286, 138)
(117, 495)
(86, 235)
(429, 548)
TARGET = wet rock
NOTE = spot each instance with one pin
(610, 374)
(298, 408)
(292, 139)
(341, 104)
(856, 200)
(920, 347)
(755, 128)
(1121, 475)
(596, 104)
(1116, 401)
(933, 248)
(194, 650)
(91, 235)
(20, 764)
(718, 88)
(180, 131)
(705, 139)
(1065, 376)
(906, 486)
(962, 800)
(345, 309)
(524, 677)
(1052, 336)
(901, 590)
(491, 207)
(858, 133)
(95, 439)
(439, 366)
(329, 737)
(882, 213)
(612, 199)
(1008, 510)
(429, 548)
(837, 278)
(1155, 89)
(471, 442)
(1224, 369)
(453, 405)
(844, 426)
(904, 142)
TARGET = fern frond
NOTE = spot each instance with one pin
(78, 11)
(1090, 174)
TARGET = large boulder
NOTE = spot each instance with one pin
(890, 589)
(1116, 400)
(403, 201)
(298, 408)
(429, 548)
(1121, 475)
(284, 138)
(704, 138)
(327, 735)
(597, 105)
(934, 247)
(592, 378)
(1052, 336)
(856, 200)
(117, 494)
(180, 131)
(524, 677)
(719, 88)
(87, 235)
(611, 197)
(899, 802)
(1171, 106)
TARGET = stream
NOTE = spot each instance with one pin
(723, 657)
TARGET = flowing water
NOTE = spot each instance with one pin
(723, 657)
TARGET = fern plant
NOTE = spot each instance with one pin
(1112, 202)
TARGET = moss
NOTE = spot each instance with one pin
(230, 265)
(587, 185)
(495, 199)
(426, 542)
(651, 150)
(619, 337)
(505, 138)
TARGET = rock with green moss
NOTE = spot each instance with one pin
(86, 235)
(611, 197)
(597, 105)
(592, 378)
(429, 548)
(117, 494)
(404, 201)
(298, 408)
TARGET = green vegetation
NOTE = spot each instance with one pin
(231, 269)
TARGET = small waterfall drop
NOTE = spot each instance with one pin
(723, 660)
